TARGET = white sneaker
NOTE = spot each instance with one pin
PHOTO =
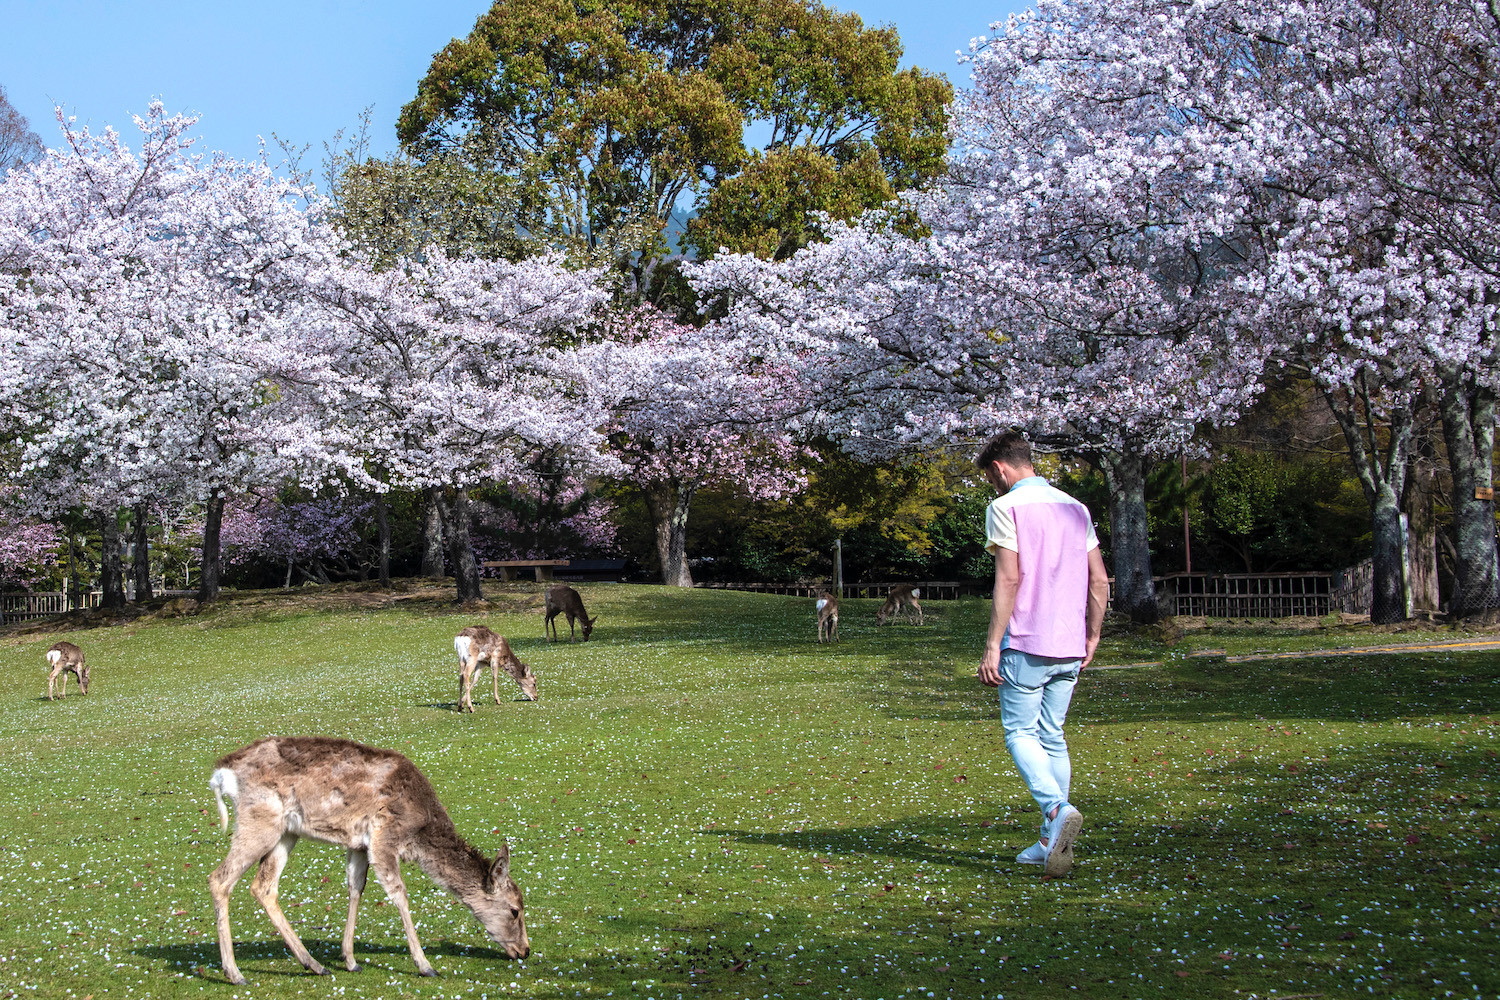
(1060, 837)
(1036, 854)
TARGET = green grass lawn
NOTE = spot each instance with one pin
(705, 802)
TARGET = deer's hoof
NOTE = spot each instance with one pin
(235, 978)
(353, 966)
(428, 971)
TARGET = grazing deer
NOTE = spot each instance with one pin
(564, 600)
(476, 644)
(66, 659)
(828, 618)
(903, 596)
(376, 804)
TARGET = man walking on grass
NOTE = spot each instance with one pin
(1050, 591)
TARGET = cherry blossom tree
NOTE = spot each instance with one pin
(152, 308)
(691, 413)
(291, 532)
(450, 372)
(27, 545)
(1358, 141)
(1398, 234)
(552, 512)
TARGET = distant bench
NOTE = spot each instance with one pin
(543, 567)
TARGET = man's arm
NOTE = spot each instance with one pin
(1007, 583)
(1098, 598)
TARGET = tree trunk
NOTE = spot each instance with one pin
(669, 505)
(1383, 477)
(1469, 431)
(432, 534)
(1129, 537)
(111, 566)
(461, 550)
(213, 559)
(383, 540)
(140, 566)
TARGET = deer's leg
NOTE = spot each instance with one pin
(245, 849)
(466, 684)
(919, 611)
(52, 686)
(550, 624)
(358, 868)
(83, 680)
(264, 888)
(388, 871)
(495, 675)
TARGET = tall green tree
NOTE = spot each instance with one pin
(848, 129)
(611, 112)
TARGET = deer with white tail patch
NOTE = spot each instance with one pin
(64, 659)
(376, 805)
(828, 618)
(476, 644)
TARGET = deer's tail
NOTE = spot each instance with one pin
(221, 784)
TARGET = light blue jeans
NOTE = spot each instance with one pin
(1034, 701)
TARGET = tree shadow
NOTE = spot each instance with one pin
(1334, 688)
(910, 840)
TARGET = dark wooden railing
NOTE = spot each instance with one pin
(1229, 595)
(935, 590)
(1249, 595)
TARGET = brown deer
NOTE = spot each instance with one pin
(564, 600)
(476, 644)
(828, 618)
(377, 805)
(903, 596)
(66, 659)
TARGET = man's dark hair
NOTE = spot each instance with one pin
(1011, 447)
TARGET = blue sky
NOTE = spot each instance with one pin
(304, 70)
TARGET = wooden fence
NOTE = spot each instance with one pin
(1249, 595)
(934, 590)
(48, 603)
(45, 604)
(1227, 595)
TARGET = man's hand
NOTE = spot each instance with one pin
(989, 669)
(1088, 657)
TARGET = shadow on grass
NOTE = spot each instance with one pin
(271, 958)
(1370, 688)
(910, 840)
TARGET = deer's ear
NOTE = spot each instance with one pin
(500, 870)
